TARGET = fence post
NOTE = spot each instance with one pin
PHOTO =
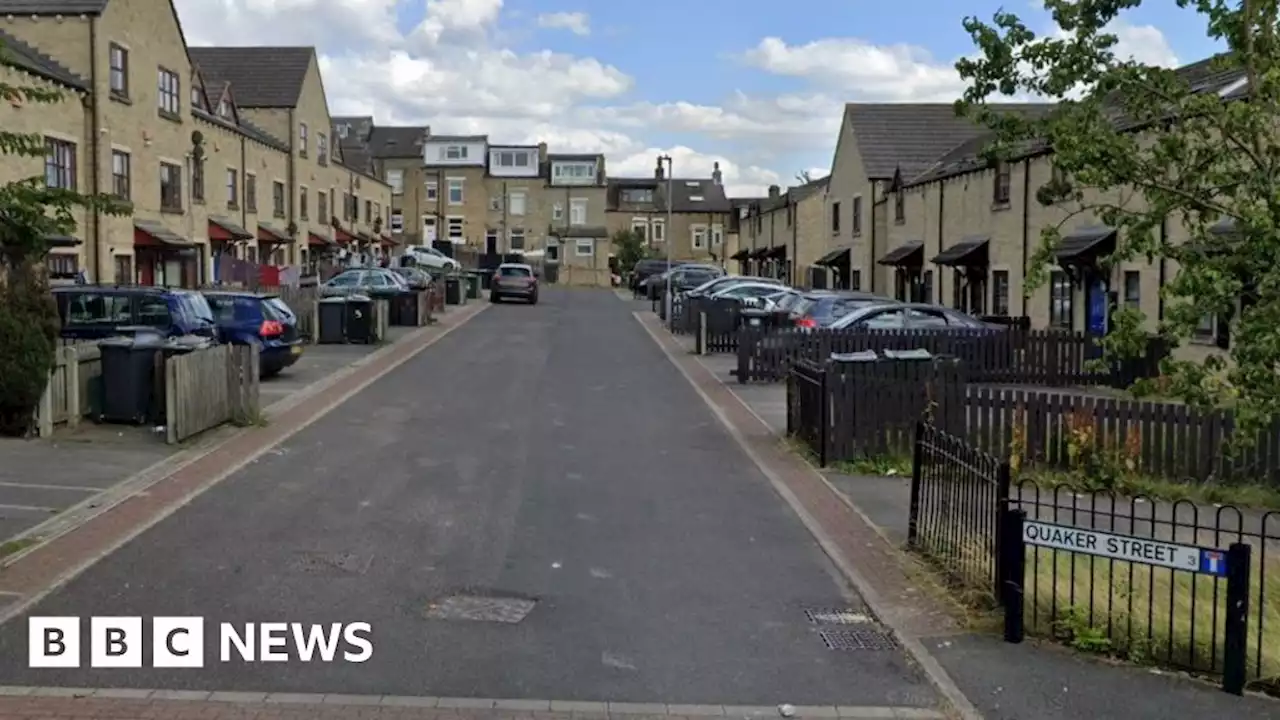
(1012, 557)
(1235, 636)
(702, 333)
(71, 356)
(1004, 481)
(917, 465)
(824, 416)
(44, 411)
(744, 353)
(170, 369)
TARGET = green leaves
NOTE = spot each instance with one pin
(1163, 156)
(631, 248)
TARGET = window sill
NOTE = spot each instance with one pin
(120, 98)
(171, 210)
(233, 206)
(251, 209)
(856, 234)
(304, 218)
(1203, 341)
(302, 153)
(171, 117)
(999, 206)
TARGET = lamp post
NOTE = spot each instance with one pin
(666, 236)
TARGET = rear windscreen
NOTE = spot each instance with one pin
(514, 272)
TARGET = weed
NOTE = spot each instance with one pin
(13, 547)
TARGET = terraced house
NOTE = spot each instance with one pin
(700, 214)
(782, 235)
(218, 151)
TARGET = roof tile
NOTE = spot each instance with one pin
(260, 77)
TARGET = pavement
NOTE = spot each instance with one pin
(1033, 680)
(546, 455)
(42, 478)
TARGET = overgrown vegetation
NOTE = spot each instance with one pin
(30, 212)
(630, 248)
(1162, 157)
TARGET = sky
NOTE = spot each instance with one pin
(756, 86)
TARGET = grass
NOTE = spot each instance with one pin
(1244, 495)
(13, 547)
(887, 465)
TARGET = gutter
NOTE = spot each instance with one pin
(95, 150)
(1026, 232)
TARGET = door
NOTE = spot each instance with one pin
(1096, 306)
(491, 243)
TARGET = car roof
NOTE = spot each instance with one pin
(126, 288)
(522, 266)
(240, 294)
(849, 294)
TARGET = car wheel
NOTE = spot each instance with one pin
(533, 300)
(495, 298)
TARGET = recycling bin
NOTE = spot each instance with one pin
(453, 291)
(408, 308)
(473, 285)
(129, 377)
(333, 320)
(359, 319)
(486, 279)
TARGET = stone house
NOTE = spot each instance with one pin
(699, 214)
(783, 235)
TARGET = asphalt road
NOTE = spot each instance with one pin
(547, 452)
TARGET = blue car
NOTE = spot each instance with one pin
(250, 318)
(94, 312)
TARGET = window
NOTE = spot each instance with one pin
(1132, 289)
(377, 211)
(455, 191)
(585, 247)
(659, 230)
(333, 200)
(343, 130)
(433, 190)
(887, 320)
(59, 164)
(641, 226)
(322, 149)
(277, 199)
(637, 195)
(322, 206)
(92, 308)
(197, 100)
(855, 279)
(926, 287)
(855, 223)
(251, 192)
(121, 174)
(1206, 330)
(197, 181)
(509, 158)
(1060, 296)
(395, 178)
(368, 211)
(1000, 292)
(170, 94)
(454, 225)
(397, 221)
(61, 265)
(119, 71)
(346, 206)
(578, 211)
(428, 228)
(899, 206)
(699, 233)
(224, 109)
(1000, 191)
(515, 204)
(835, 218)
(455, 152)
(302, 202)
(124, 270)
(302, 139)
(233, 182)
(170, 187)
(517, 239)
(557, 212)
(717, 235)
(574, 173)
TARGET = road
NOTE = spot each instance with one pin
(548, 452)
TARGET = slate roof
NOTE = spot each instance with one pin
(685, 189)
(260, 77)
(52, 7)
(395, 141)
(795, 195)
(21, 55)
(912, 135)
(244, 127)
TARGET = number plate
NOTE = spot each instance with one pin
(296, 350)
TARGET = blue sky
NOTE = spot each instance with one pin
(755, 86)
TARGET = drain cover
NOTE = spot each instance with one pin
(836, 616)
(480, 609)
(313, 563)
(858, 640)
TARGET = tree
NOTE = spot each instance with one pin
(1136, 146)
(631, 248)
(805, 177)
(30, 212)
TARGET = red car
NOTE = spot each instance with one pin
(514, 280)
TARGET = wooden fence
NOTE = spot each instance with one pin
(303, 301)
(1012, 356)
(73, 389)
(209, 387)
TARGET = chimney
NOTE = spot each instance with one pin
(542, 152)
(658, 172)
(716, 176)
(773, 191)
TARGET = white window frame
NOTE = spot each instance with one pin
(588, 243)
(557, 211)
(396, 221)
(395, 178)
(576, 170)
(717, 235)
(303, 140)
(642, 226)
(578, 211)
(514, 233)
(516, 203)
(433, 190)
(460, 223)
(455, 152)
(659, 231)
(455, 183)
(698, 236)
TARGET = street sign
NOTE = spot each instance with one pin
(1125, 547)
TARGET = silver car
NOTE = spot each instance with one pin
(363, 281)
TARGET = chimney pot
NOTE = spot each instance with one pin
(658, 171)
(716, 176)
(773, 191)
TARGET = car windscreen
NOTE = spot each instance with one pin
(514, 272)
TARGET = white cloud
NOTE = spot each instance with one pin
(575, 22)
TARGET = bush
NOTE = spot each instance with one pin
(28, 327)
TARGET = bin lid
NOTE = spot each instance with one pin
(916, 354)
(335, 299)
(358, 297)
(862, 356)
(142, 341)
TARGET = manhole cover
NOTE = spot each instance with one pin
(315, 563)
(836, 616)
(858, 640)
(480, 609)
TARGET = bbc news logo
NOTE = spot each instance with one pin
(179, 642)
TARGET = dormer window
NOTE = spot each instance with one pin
(455, 152)
(511, 158)
(695, 198)
(224, 108)
(637, 195)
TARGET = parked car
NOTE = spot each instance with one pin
(820, 308)
(249, 318)
(415, 277)
(363, 281)
(94, 312)
(514, 280)
(648, 267)
(747, 293)
(712, 286)
(780, 301)
(910, 316)
(429, 257)
(683, 278)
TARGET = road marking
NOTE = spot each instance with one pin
(31, 508)
(458, 703)
(41, 486)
